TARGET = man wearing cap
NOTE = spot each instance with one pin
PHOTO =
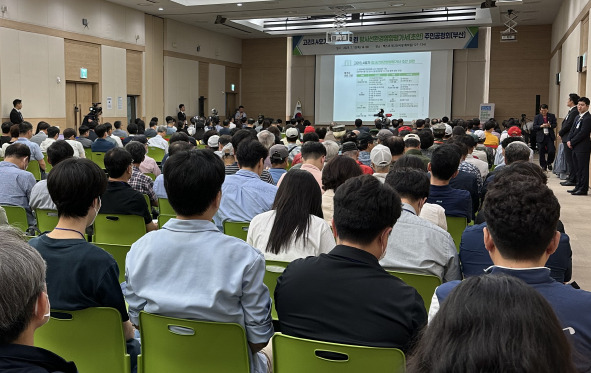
(338, 131)
(439, 133)
(350, 150)
(291, 136)
(381, 157)
(513, 131)
(412, 146)
(544, 125)
(481, 151)
(158, 141)
(384, 134)
(213, 143)
(278, 155)
(366, 144)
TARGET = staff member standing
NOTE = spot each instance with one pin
(564, 134)
(580, 143)
(544, 124)
(16, 117)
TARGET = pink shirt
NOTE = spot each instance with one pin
(315, 171)
(149, 165)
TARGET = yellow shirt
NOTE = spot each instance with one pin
(491, 139)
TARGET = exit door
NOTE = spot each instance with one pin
(231, 104)
(78, 103)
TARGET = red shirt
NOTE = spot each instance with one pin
(365, 169)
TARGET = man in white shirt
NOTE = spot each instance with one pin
(112, 138)
(158, 141)
(481, 165)
(70, 137)
(52, 135)
(40, 198)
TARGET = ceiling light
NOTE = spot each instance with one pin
(396, 5)
(160, 8)
(239, 4)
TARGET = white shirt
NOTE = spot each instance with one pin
(328, 205)
(435, 214)
(78, 148)
(117, 140)
(481, 165)
(46, 144)
(158, 142)
(320, 238)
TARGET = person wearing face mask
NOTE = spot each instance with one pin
(79, 274)
(417, 245)
(345, 296)
(24, 307)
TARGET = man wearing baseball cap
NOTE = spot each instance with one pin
(381, 157)
(412, 146)
(291, 135)
(278, 155)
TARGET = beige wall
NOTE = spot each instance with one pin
(302, 85)
(181, 85)
(216, 96)
(114, 82)
(154, 71)
(569, 11)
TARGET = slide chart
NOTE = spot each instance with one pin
(396, 82)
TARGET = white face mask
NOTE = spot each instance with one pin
(96, 211)
(48, 307)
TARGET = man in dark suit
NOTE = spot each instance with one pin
(182, 116)
(580, 143)
(15, 115)
(564, 134)
(544, 124)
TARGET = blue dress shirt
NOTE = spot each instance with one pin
(36, 154)
(189, 269)
(244, 196)
(16, 186)
(159, 187)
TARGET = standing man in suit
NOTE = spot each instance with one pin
(182, 116)
(564, 134)
(544, 124)
(580, 143)
(15, 115)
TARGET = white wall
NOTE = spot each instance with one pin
(29, 72)
(114, 80)
(105, 19)
(216, 97)
(569, 11)
(302, 84)
(569, 77)
(181, 85)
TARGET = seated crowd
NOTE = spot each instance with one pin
(345, 210)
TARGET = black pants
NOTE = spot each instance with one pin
(581, 166)
(532, 138)
(568, 157)
(546, 147)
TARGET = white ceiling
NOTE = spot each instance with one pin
(529, 12)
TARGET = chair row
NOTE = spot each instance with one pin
(93, 339)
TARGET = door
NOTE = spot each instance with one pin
(131, 109)
(78, 103)
(231, 105)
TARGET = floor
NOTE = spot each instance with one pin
(575, 214)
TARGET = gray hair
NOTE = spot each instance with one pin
(517, 151)
(332, 149)
(266, 138)
(161, 129)
(22, 279)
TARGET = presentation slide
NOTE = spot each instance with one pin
(408, 85)
(396, 82)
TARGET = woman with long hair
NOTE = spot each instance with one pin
(295, 227)
(493, 323)
(334, 174)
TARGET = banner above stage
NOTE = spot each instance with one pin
(387, 42)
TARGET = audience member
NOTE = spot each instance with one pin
(170, 126)
(350, 150)
(120, 197)
(335, 173)
(366, 144)
(24, 307)
(427, 142)
(295, 228)
(40, 132)
(14, 133)
(138, 181)
(79, 274)
(53, 134)
(291, 136)
(377, 309)
(396, 146)
(278, 155)
(514, 151)
(70, 138)
(112, 138)
(310, 136)
(101, 144)
(412, 146)
(176, 147)
(444, 166)
(493, 324)
(25, 131)
(481, 165)
(16, 184)
(229, 271)
(238, 137)
(40, 198)
(244, 194)
(313, 155)
(465, 180)
(381, 158)
(83, 138)
(158, 141)
(332, 150)
(121, 133)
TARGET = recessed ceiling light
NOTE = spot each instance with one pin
(396, 5)
(160, 8)
(239, 4)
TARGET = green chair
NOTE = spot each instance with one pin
(273, 270)
(156, 153)
(151, 175)
(424, 284)
(165, 207)
(455, 227)
(296, 355)
(148, 201)
(92, 338)
(162, 219)
(178, 345)
(118, 229)
(17, 217)
(46, 219)
(47, 165)
(88, 153)
(34, 168)
(237, 229)
(119, 252)
(99, 159)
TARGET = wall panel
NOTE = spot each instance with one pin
(82, 55)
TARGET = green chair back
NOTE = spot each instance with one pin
(17, 217)
(424, 284)
(47, 165)
(91, 338)
(178, 345)
(148, 201)
(33, 168)
(296, 355)
(162, 219)
(165, 207)
(455, 227)
(46, 219)
(151, 175)
(88, 153)
(118, 229)
(99, 159)
(156, 153)
(237, 229)
(119, 252)
(273, 270)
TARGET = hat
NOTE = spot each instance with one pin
(412, 136)
(338, 128)
(308, 129)
(404, 128)
(381, 156)
(228, 149)
(292, 133)
(448, 130)
(438, 129)
(348, 146)
(213, 141)
(480, 133)
(278, 152)
(384, 134)
(514, 131)
(365, 136)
